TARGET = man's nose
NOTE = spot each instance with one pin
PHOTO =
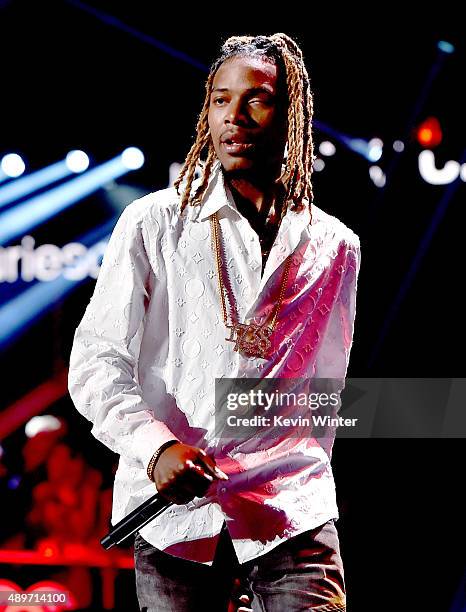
(235, 113)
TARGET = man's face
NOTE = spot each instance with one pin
(247, 118)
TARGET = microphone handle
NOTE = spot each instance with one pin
(135, 521)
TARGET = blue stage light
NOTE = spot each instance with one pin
(445, 46)
(27, 215)
(11, 166)
(19, 313)
(75, 162)
(14, 482)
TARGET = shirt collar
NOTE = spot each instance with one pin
(288, 238)
(217, 195)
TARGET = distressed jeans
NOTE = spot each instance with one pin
(303, 573)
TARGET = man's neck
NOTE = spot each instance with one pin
(254, 196)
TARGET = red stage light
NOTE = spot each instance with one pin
(48, 548)
(429, 133)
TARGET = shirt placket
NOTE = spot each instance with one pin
(246, 255)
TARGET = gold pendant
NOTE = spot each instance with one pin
(252, 340)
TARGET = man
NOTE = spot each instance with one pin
(239, 275)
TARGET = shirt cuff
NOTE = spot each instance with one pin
(148, 438)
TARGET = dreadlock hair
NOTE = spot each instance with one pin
(296, 174)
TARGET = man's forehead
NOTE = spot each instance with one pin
(245, 68)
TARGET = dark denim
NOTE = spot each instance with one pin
(303, 573)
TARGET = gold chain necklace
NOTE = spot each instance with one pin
(250, 339)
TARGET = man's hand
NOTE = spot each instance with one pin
(183, 472)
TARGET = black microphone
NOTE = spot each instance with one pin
(136, 520)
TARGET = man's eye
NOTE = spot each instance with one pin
(219, 101)
(259, 101)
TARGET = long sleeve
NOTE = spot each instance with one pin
(333, 356)
(334, 352)
(102, 379)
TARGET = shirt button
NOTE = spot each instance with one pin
(223, 490)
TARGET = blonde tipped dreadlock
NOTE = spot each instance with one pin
(296, 176)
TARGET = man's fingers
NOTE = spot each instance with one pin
(210, 465)
(197, 479)
(189, 481)
(179, 493)
(188, 478)
(176, 497)
(198, 469)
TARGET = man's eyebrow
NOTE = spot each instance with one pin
(251, 90)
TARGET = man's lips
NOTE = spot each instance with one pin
(236, 148)
(236, 142)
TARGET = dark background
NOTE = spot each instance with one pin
(71, 79)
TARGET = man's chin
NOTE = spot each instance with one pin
(235, 164)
